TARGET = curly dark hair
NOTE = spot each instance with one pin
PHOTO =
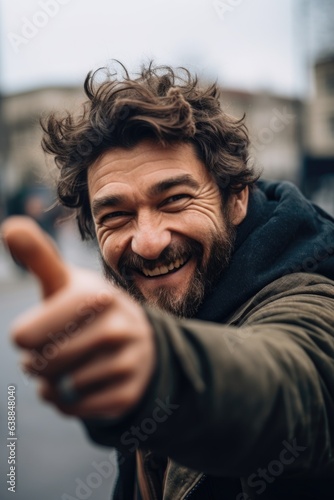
(160, 104)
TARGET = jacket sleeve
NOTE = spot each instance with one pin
(226, 399)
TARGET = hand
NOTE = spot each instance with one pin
(86, 332)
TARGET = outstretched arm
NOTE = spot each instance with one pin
(223, 399)
(235, 397)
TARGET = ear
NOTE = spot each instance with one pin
(238, 206)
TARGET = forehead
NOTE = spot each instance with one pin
(142, 166)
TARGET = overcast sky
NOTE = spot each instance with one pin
(248, 44)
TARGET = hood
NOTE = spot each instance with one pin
(282, 233)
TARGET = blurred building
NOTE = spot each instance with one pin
(275, 127)
(318, 168)
(25, 161)
(27, 176)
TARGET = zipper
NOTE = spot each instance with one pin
(146, 482)
(195, 487)
(150, 484)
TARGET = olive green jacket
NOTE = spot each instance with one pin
(241, 410)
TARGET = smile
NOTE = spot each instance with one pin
(162, 270)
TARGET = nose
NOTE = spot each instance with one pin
(150, 237)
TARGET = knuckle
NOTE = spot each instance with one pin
(104, 337)
(127, 399)
(19, 336)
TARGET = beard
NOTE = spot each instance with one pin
(206, 275)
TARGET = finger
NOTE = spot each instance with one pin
(67, 389)
(62, 315)
(55, 358)
(102, 370)
(36, 251)
(112, 401)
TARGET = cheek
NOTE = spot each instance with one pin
(111, 248)
(205, 229)
(203, 225)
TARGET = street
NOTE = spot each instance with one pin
(54, 460)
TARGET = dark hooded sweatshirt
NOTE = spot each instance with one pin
(242, 401)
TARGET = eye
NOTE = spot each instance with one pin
(114, 219)
(175, 198)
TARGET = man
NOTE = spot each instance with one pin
(213, 372)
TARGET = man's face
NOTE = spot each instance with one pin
(162, 231)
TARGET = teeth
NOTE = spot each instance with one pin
(160, 270)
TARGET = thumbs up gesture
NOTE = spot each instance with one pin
(88, 343)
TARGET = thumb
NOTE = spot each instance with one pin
(35, 250)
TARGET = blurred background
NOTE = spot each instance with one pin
(273, 60)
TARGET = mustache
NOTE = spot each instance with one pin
(170, 254)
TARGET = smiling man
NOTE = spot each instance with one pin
(160, 224)
(207, 359)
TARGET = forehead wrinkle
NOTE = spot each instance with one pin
(112, 170)
(138, 152)
(175, 172)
